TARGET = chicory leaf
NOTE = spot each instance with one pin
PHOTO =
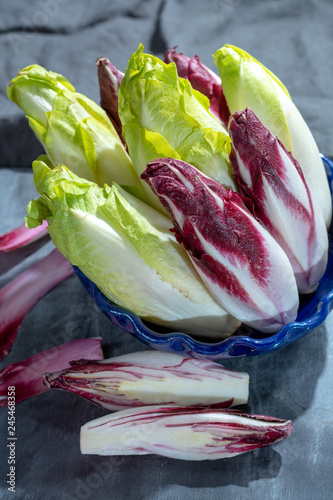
(73, 129)
(247, 83)
(19, 296)
(21, 236)
(170, 119)
(202, 79)
(27, 375)
(282, 199)
(242, 265)
(109, 78)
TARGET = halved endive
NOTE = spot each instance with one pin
(125, 247)
(185, 433)
(152, 377)
(247, 83)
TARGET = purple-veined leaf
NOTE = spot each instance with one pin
(27, 376)
(248, 83)
(269, 175)
(152, 377)
(21, 236)
(109, 78)
(202, 79)
(187, 433)
(19, 296)
(240, 262)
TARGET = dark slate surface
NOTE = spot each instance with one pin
(294, 39)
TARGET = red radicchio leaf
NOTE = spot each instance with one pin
(19, 296)
(27, 376)
(21, 236)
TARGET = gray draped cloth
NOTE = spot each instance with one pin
(294, 39)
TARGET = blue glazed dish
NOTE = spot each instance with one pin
(314, 309)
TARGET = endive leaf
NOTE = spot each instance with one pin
(247, 83)
(154, 100)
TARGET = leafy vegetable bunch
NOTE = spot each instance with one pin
(195, 200)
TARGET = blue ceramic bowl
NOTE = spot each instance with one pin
(314, 309)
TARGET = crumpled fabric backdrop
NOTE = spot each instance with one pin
(294, 39)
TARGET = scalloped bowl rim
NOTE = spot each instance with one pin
(235, 345)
